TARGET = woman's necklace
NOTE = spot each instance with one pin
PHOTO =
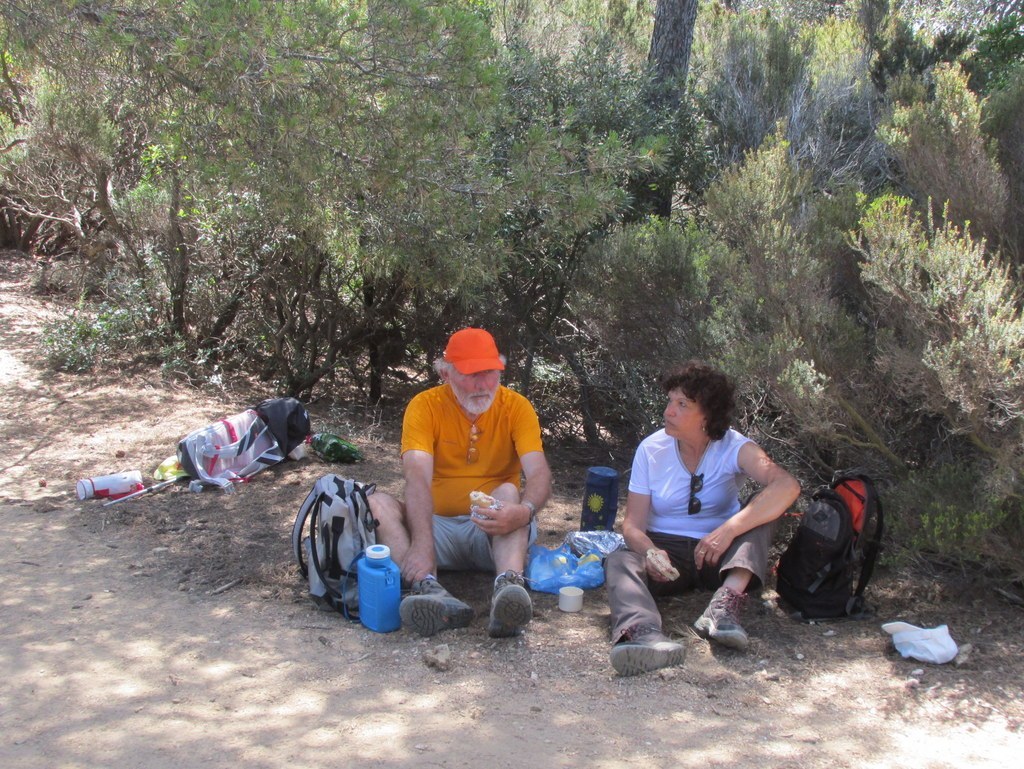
(700, 460)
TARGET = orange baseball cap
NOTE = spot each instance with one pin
(473, 350)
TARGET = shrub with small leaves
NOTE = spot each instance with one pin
(77, 341)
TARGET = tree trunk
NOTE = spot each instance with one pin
(178, 260)
(669, 60)
(671, 43)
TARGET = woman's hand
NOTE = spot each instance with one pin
(659, 567)
(712, 547)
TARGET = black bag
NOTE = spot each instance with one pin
(341, 527)
(835, 546)
(287, 420)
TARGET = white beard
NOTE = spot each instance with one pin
(475, 404)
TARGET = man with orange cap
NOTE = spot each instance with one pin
(468, 434)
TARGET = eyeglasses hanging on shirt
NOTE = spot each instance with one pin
(696, 484)
(473, 453)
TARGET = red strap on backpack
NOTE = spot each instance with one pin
(855, 495)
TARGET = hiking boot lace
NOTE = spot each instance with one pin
(427, 586)
(509, 577)
(725, 606)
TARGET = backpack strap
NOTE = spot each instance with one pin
(872, 547)
(337, 531)
(361, 493)
(334, 595)
(298, 528)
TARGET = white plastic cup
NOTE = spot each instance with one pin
(110, 486)
(570, 599)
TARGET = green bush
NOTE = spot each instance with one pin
(644, 304)
(945, 158)
(999, 51)
(77, 341)
(832, 120)
(950, 344)
(755, 72)
(949, 511)
(745, 67)
(959, 317)
(1003, 120)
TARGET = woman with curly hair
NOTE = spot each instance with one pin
(685, 526)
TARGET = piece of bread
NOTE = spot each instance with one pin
(659, 560)
(481, 500)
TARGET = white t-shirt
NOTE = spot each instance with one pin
(659, 472)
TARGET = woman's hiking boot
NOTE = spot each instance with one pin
(721, 620)
(645, 648)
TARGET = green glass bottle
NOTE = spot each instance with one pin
(333, 448)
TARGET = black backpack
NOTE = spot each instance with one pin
(834, 547)
(332, 529)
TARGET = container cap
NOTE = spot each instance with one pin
(378, 552)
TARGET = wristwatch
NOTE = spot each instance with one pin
(531, 507)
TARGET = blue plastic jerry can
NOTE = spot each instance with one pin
(380, 590)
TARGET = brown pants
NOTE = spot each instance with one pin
(631, 596)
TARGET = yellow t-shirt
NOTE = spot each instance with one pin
(434, 423)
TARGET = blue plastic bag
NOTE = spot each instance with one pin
(547, 569)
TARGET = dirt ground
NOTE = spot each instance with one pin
(173, 630)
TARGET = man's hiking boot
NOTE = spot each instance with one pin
(721, 620)
(511, 607)
(429, 609)
(645, 648)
